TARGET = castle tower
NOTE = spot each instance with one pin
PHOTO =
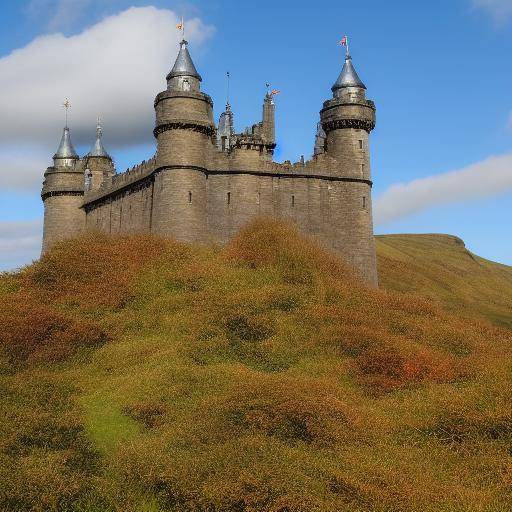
(99, 167)
(185, 141)
(347, 120)
(62, 195)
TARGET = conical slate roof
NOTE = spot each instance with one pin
(98, 149)
(184, 65)
(66, 149)
(348, 76)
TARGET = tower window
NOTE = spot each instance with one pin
(190, 197)
(186, 85)
(360, 144)
(362, 169)
(229, 197)
(364, 201)
(258, 198)
(293, 200)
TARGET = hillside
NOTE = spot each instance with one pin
(440, 267)
(141, 374)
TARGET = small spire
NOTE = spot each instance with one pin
(184, 65)
(348, 76)
(98, 149)
(66, 149)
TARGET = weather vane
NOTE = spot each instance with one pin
(67, 106)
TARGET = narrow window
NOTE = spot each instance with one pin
(229, 197)
(258, 198)
(293, 200)
(360, 144)
(362, 169)
(364, 202)
(224, 143)
(190, 197)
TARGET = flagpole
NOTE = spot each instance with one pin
(228, 76)
(182, 28)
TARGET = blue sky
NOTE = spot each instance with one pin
(438, 71)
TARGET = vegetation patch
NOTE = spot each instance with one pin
(256, 377)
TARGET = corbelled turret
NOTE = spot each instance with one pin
(185, 140)
(99, 164)
(62, 194)
(346, 122)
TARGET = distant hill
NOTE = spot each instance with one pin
(440, 267)
(145, 375)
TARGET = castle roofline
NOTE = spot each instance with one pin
(98, 150)
(348, 76)
(184, 66)
(66, 149)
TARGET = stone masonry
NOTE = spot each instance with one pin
(205, 181)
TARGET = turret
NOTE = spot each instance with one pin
(62, 194)
(226, 129)
(346, 122)
(99, 167)
(185, 141)
(268, 122)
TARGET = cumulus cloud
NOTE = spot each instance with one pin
(113, 69)
(20, 243)
(488, 178)
(500, 10)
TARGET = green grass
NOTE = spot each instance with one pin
(440, 267)
(259, 377)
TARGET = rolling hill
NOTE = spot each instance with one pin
(141, 374)
(440, 267)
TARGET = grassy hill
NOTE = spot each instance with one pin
(440, 267)
(139, 374)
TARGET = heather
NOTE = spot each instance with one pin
(144, 374)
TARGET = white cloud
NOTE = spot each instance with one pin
(22, 169)
(500, 10)
(113, 68)
(20, 243)
(488, 178)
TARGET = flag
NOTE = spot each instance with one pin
(274, 91)
(344, 41)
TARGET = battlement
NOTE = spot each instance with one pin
(122, 180)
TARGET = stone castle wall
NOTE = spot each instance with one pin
(199, 205)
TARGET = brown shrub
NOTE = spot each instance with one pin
(97, 270)
(268, 242)
(33, 331)
(384, 367)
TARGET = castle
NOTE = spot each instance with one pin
(205, 181)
